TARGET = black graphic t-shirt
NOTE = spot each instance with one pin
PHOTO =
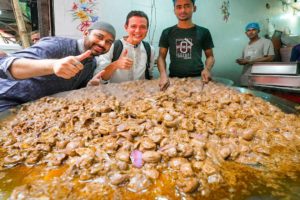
(185, 47)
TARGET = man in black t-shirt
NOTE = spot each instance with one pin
(185, 42)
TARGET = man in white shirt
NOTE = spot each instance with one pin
(257, 50)
(132, 61)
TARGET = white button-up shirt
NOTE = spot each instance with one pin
(139, 56)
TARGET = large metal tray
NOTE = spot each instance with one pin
(285, 105)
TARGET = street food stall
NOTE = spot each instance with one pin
(132, 141)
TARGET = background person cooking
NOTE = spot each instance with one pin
(185, 42)
(52, 65)
(257, 50)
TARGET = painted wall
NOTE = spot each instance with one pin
(229, 37)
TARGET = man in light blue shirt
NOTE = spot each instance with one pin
(53, 65)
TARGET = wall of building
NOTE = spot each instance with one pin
(228, 36)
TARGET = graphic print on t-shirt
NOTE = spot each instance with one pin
(184, 48)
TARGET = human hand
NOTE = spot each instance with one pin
(69, 66)
(95, 81)
(242, 61)
(124, 62)
(205, 75)
(164, 83)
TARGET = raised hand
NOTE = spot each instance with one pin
(124, 62)
(96, 79)
(205, 75)
(164, 83)
(69, 66)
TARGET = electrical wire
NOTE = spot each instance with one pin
(154, 21)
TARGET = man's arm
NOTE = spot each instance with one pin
(161, 64)
(295, 54)
(122, 63)
(267, 58)
(66, 67)
(209, 63)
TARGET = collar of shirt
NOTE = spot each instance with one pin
(80, 45)
(128, 44)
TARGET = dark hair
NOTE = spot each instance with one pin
(34, 32)
(138, 14)
(193, 1)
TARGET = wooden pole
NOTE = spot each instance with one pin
(44, 15)
(20, 23)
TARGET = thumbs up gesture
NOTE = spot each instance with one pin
(69, 66)
(124, 62)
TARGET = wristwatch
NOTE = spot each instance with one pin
(103, 81)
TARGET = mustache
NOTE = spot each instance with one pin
(103, 48)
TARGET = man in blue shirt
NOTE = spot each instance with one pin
(295, 55)
(53, 65)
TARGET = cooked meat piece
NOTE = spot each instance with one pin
(199, 153)
(13, 159)
(123, 156)
(225, 152)
(248, 134)
(156, 137)
(168, 117)
(151, 173)
(187, 124)
(95, 168)
(169, 150)
(122, 127)
(33, 157)
(171, 124)
(147, 144)
(151, 156)
(138, 183)
(185, 150)
(61, 144)
(209, 168)
(188, 185)
(55, 159)
(72, 146)
(186, 169)
(85, 175)
(176, 163)
(122, 165)
(117, 178)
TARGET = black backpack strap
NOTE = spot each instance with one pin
(148, 51)
(118, 47)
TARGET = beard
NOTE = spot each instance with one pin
(98, 50)
(184, 18)
(94, 47)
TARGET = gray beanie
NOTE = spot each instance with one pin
(104, 26)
